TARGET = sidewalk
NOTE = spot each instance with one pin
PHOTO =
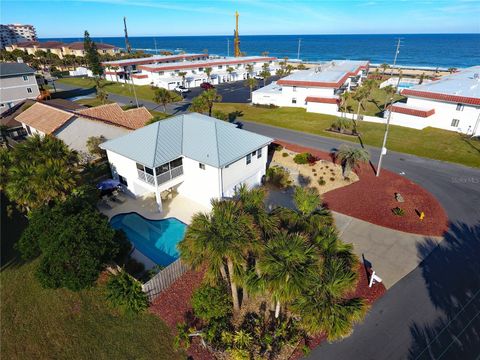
(392, 254)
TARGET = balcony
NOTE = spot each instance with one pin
(169, 175)
(146, 177)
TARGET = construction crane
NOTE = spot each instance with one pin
(236, 40)
(127, 43)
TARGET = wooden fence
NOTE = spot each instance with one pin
(164, 279)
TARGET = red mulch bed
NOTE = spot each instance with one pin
(373, 198)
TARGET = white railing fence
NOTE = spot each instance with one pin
(164, 279)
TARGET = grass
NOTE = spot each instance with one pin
(42, 323)
(429, 142)
(144, 92)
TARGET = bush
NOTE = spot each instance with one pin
(134, 267)
(321, 182)
(210, 302)
(263, 106)
(398, 211)
(285, 154)
(332, 179)
(278, 176)
(305, 158)
(277, 147)
(125, 292)
(220, 115)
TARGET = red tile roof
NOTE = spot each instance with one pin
(325, 100)
(205, 64)
(78, 45)
(411, 111)
(51, 45)
(114, 114)
(442, 97)
(44, 118)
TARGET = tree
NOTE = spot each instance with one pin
(115, 68)
(288, 69)
(125, 292)
(249, 68)
(205, 101)
(91, 55)
(5, 163)
(342, 123)
(163, 96)
(208, 71)
(344, 99)
(251, 83)
(93, 145)
(216, 240)
(209, 302)
(384, 67)
(182, 74)
(351, 157)
(102, 95)
(265, 73)
(362, 94)
(265, 53)
(42, 169)
(74, 239)
(230, 70)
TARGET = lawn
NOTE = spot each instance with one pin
(431, 143)
(60, 324)
(144, 92)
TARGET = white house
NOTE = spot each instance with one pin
(450, 103)
(317, 89)
(198, 156)
(164, 71)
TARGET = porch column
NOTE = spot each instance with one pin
(158, 197)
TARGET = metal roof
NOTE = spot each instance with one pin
(14, 69)
(201, 138)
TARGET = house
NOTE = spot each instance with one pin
(165, 71)
(74, 123)
(317, 89)
(200, 157)
(450, 103)
(17, 83)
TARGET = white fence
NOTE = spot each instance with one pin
(164, 279)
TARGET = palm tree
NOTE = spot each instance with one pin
(362, 94)
(384, 67)
(342, 124)
(250, 69)
(351, 157)
(216, 240)
(115, 68)
(182, 74)
(265, 53)
(164, 97)
(265, 73)
(230, 70)
(286, 266)
(5, 163)
(205, 101)
(288, 69)
(208, 71)
(344, 99)
(251, 83)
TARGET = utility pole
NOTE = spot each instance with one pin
(236, 40)
(133, 85)
(127, 43)
(383, 150)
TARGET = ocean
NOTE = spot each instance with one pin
(417, 50)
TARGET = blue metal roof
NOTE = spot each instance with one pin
(202, 138)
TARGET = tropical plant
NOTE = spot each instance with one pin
(384, 67)
(205, 101)
(208, 71)
(397, 211)
(301, 67)
(115, 68)
(163, 96)
(302, 158)
(5, 163)
(42, 169)
(351, 157)
(250, 69)
(125, 292)
(102, 95)
(278, 176)
(344, 101)
(217, 114)
(251, 83)
(362, 94)
(93, 145)
(266, 74)
(211, 302)
(182, 74)
(230, 70)
(341, 124)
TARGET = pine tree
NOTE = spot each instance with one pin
(91, 55)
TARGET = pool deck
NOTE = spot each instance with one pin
(178, 207)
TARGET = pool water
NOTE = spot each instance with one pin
(156, 239)
(405, 85)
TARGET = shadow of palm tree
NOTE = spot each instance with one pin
(451, 273)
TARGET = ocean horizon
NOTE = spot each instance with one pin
(417, 50)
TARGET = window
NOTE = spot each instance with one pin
(176, 163)
(249, 159)
(29, 131)
(201, 166)
(29, 90)
(254, 153)
(294, 100)
(459, 107)
(162, 169)
(294, 89)
(259, 153)
(122, 180)
(148, 170)
(25, 78)
(455, 122)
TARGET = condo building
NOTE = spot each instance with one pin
(61, 49)
(16, 33)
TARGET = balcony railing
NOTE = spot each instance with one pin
(146, 177)
(171, 174)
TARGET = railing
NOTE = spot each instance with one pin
(171, 174)
(164, 279)
(145, 177)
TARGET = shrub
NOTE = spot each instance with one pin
(278, 176)
(278, 147)
(210, 302)
(126, 293)
(302, 158)
(285, 154)
(332, 179)
(321, 182)
(220, 115)
(398, 211)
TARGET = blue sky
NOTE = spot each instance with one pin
(69, 18)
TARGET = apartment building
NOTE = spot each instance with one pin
(15, 33)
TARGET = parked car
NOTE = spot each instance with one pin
(258, 77)
(207, 86)
(181, 89)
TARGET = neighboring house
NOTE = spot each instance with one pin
(15, 33)
(317, 90)
(17, 83)
(60, 48)
(198, 156)
(164, 71)
(450, 103)
(74, 125)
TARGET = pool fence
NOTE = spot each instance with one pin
(164, 279)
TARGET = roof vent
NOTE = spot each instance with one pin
(476, 76)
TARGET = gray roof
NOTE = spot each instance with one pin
(14, 69)
(201, 138)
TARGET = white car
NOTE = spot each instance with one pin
(181, 89)
(258, 77)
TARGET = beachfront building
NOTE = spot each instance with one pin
(74, 123)
(60, 48)
(15, 33)
(317, 89)
(166, 71)
(199, 157)
(17, 83)
(450, 103)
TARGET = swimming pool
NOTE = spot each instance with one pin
(156, 239)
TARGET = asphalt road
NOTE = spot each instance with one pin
(434, 312)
